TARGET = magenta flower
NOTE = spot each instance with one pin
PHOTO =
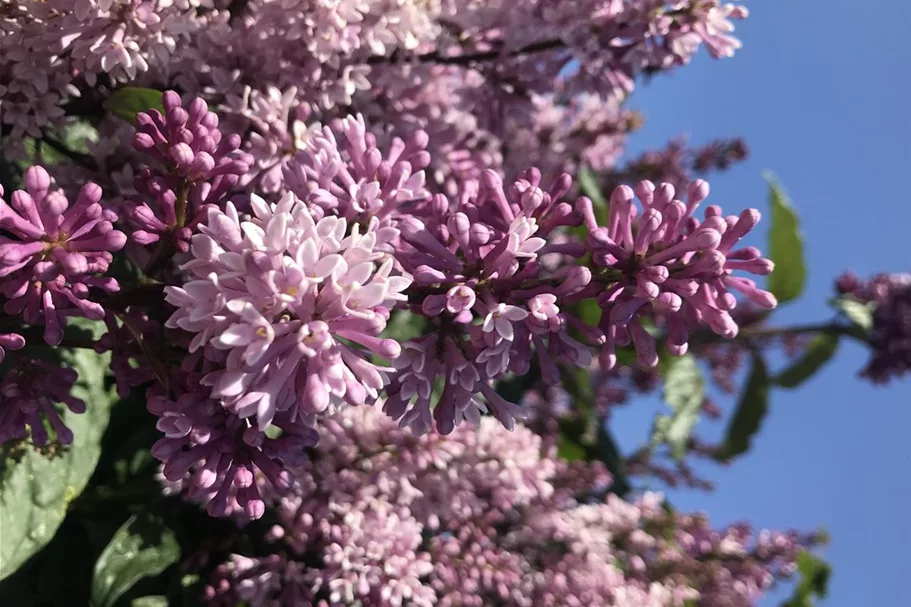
(354, 180)
(54, 253)
(10, 341)
(28, 394)
(664, 263)
(193, 168)
(476, 259)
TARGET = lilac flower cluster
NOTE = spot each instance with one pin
(28, 395)
(475, 258)
(54, 254)
(890, 337)
(51, 51)
(672, 266)
(381, 517)
(194, 169)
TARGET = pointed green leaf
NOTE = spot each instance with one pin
(814, 575)
(684, 391)
(127, 102)
(142, 547)
(858, 312)
(785, 246)
(37, 490)
(751, 410)
(820, 350)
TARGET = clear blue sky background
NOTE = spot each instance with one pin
(821, 93)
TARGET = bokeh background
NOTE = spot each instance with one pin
(821, 93)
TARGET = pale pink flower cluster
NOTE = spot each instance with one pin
(290, 306)
(380, 517)
(52, 50)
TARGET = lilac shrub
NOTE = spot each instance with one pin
(367, 280)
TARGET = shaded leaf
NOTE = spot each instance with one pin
(142, 547)
(684, 391)
(785, 246)
(127, 102)
(751, 410)
(150, 601)
(38, 490)
(858, 312)
(819, 351)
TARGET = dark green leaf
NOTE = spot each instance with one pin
(142, 547)
(752, 408)
(150, 601)
(588, 185)
(129, 101)
(610, 455)
(785, 246)
(684, 391)
(38, 490)
(858, 312)
(814, 580)
(820, 350)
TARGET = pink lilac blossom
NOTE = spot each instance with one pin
(194, 168)
(378, 516)
(475, 258)
(220, 459)
(53, 253)
(52, 49)
(290, 307)
(10, 341)
(353, 179)
(28, 394)
(670, 264)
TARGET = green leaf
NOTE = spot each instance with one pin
(37, 490)
(142, 547)
(684, 391)
(819, 351)
(129, 101)
(569, 450)
(858, 312)
(588, 185)
(814, 580)
(785, 246)
(157, 600)
(752, 408)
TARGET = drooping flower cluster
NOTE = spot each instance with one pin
(483, 517)
(53, 254)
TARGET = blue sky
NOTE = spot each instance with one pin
(821, 93)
